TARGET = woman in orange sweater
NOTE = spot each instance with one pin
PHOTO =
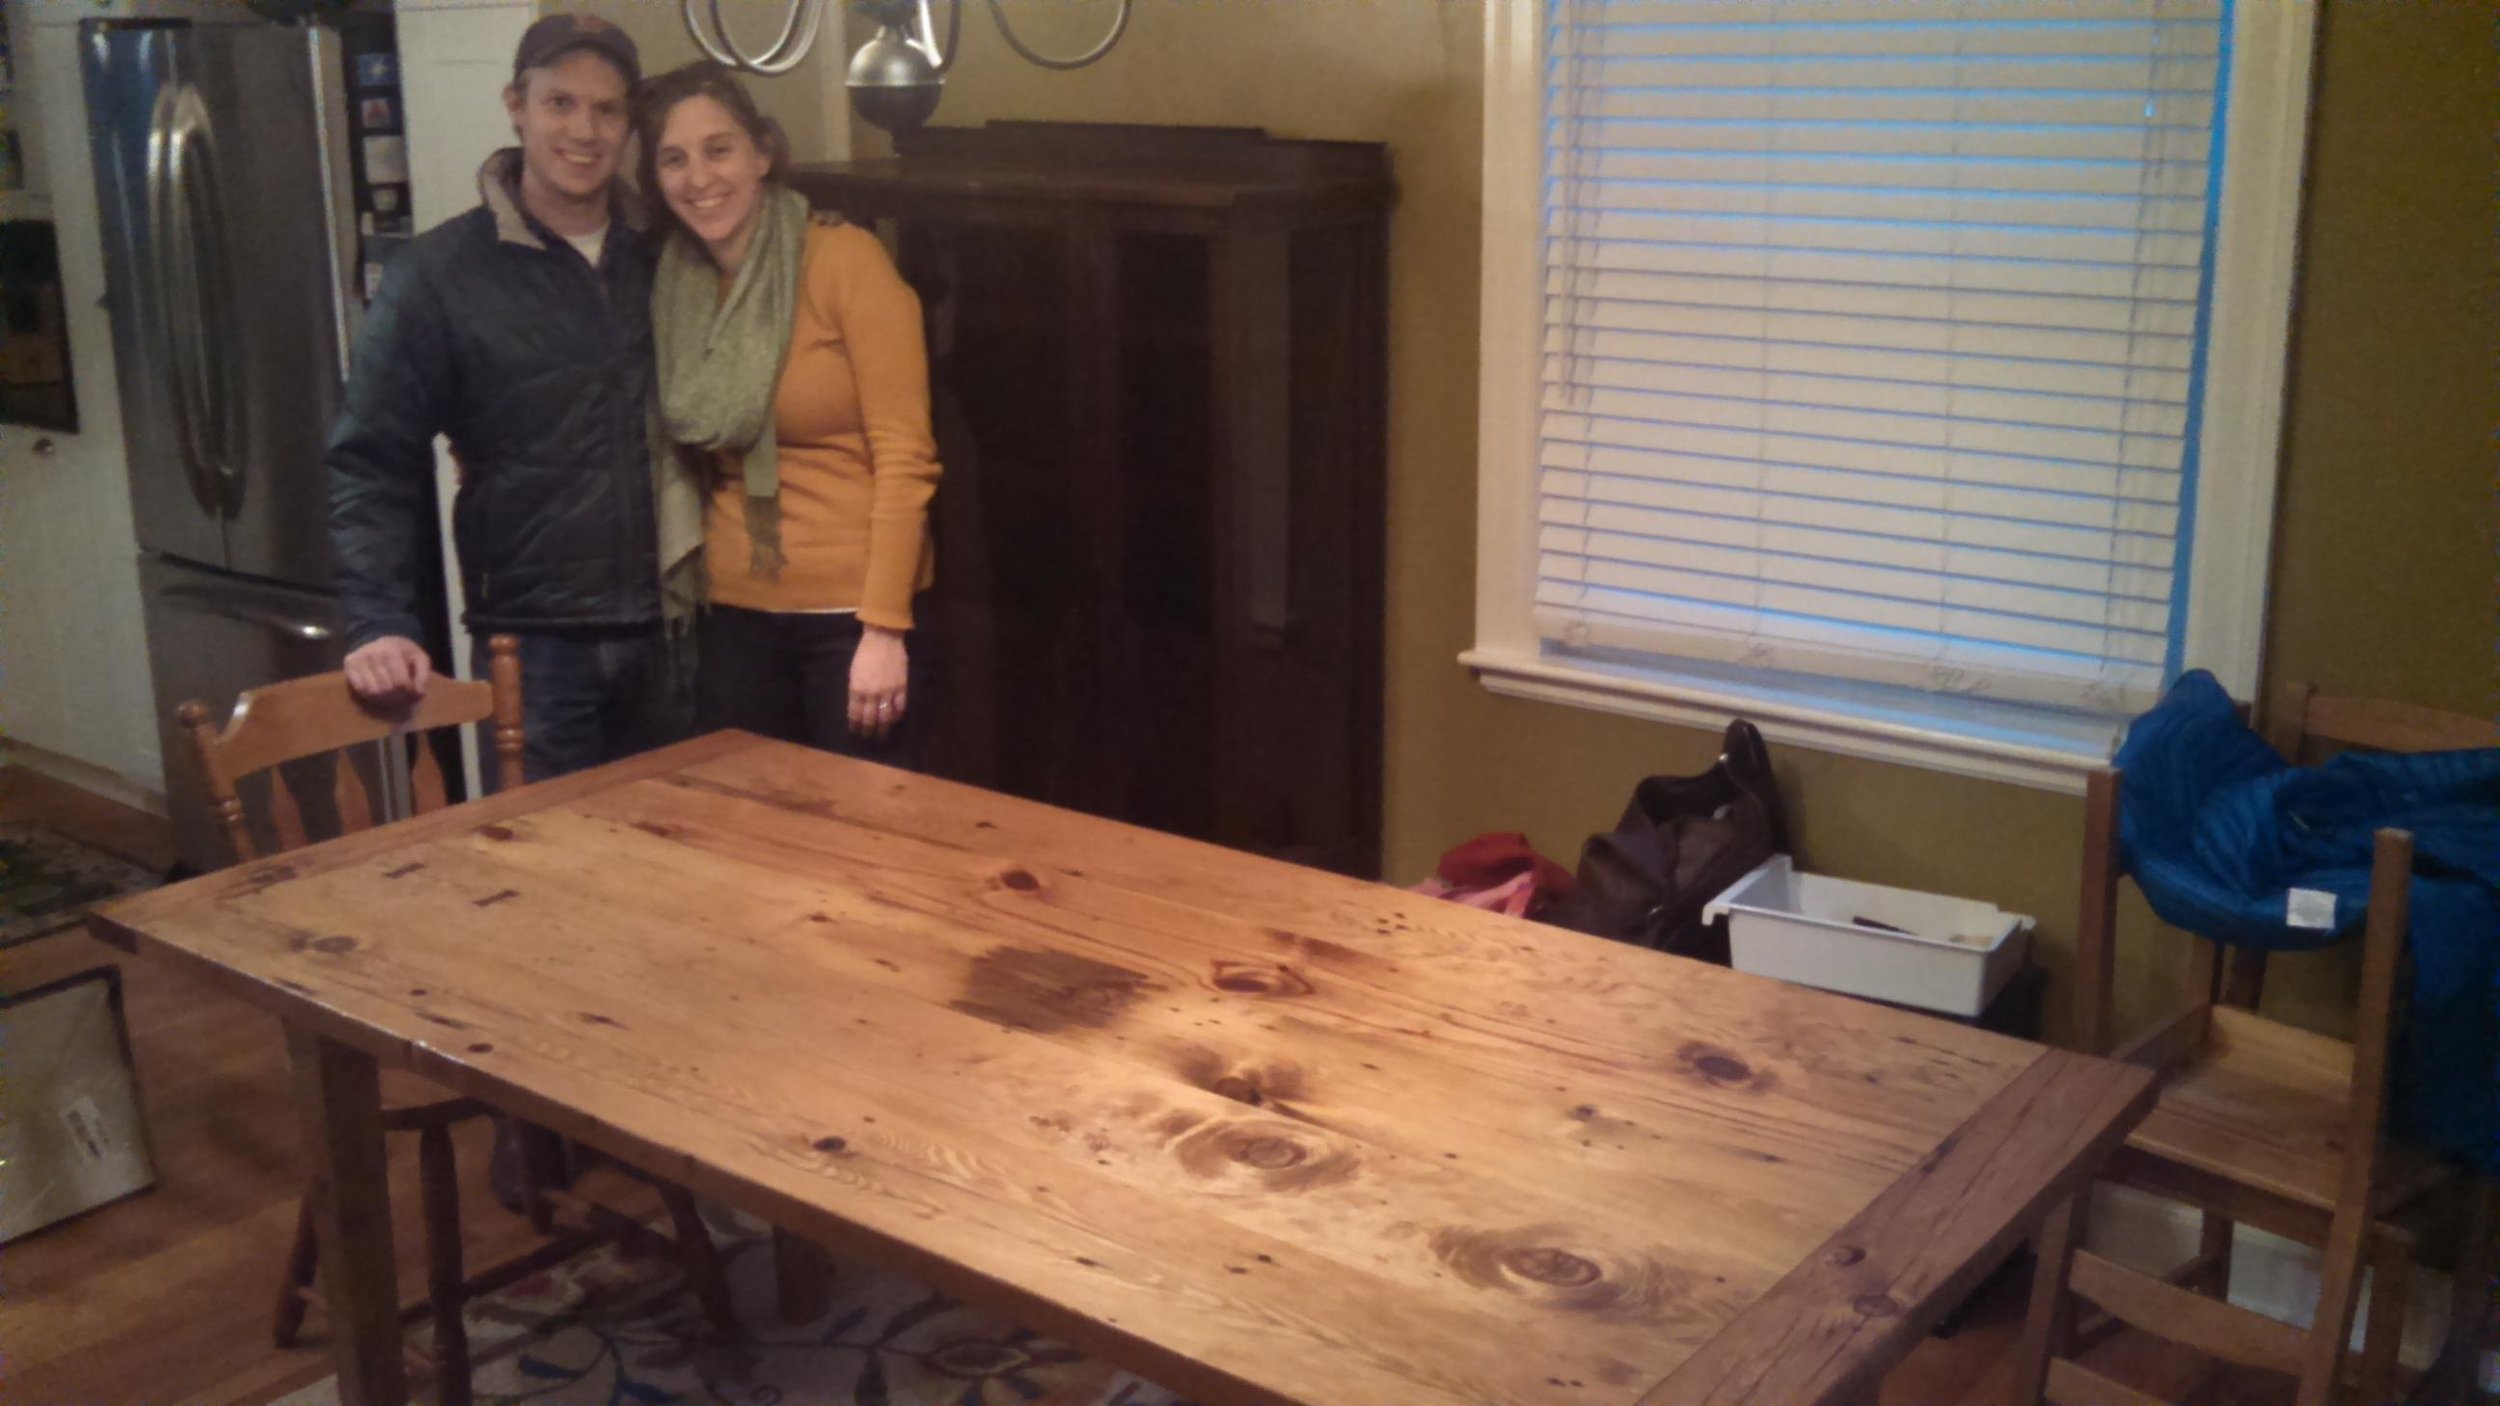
(794, 395)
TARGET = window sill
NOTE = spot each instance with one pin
(1988, 741)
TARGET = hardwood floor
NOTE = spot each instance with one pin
(167, 1297)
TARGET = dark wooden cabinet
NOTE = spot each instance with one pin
(1158, 356)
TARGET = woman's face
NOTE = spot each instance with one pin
(711, 172)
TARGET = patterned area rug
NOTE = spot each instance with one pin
(608, 1330)
(49, 881)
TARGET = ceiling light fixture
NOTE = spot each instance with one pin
(896, 77)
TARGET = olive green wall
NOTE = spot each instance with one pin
(2385, 558)
(2387, 579)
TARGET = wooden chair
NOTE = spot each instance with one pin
(294, 725)
(2258, 1121)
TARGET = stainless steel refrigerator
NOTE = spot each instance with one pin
(228, 179)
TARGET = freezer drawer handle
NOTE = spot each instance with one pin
(248, 611)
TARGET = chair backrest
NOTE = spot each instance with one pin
(321, 717)
(2297, 719)
(2302, 724)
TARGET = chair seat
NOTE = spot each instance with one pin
(2262, 1104)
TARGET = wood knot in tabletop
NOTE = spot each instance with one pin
(1257, 979)
(1544, 1264)
(1264, 1155)
(1567, 1269)
(1721, 1068)
(1255, 1084)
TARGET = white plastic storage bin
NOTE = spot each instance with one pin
(1914, 949)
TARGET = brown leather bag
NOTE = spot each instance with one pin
(1681, 841)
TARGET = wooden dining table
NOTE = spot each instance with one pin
(1259, 1133)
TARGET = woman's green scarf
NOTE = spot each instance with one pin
(720, 359)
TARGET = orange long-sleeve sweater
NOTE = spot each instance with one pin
(857, 462)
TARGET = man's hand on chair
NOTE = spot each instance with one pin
(390, 672)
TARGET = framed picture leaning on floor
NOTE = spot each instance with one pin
(72, 1136)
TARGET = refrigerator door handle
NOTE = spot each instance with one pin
(242, 608)
(221, 392)
(177, 288)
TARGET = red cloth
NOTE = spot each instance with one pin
(1492, 859)
(1501, 873)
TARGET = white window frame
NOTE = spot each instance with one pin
(2239, 443)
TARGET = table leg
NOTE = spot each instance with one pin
(802, 1277)
(338, 1101)
(2049, 1325)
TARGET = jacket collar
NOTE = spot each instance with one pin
(499, 186)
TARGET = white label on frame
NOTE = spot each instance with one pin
(89, 1135)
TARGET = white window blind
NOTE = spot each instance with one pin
(1872, 336)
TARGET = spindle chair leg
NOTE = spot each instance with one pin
(440, 1179)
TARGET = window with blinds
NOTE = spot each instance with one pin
(1872, 336)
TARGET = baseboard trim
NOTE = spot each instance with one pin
(86, 776)
(2269, 1274)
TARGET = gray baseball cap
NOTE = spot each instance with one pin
(554, 36)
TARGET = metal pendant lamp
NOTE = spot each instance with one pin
(896, 77)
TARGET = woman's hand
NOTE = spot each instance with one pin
(878, 669)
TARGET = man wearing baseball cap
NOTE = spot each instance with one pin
(522, 331)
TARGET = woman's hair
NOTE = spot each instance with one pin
(703, 79)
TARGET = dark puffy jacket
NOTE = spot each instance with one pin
(495, 332)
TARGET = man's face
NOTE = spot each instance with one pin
(571, 119)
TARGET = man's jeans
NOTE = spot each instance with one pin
(592, 695)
